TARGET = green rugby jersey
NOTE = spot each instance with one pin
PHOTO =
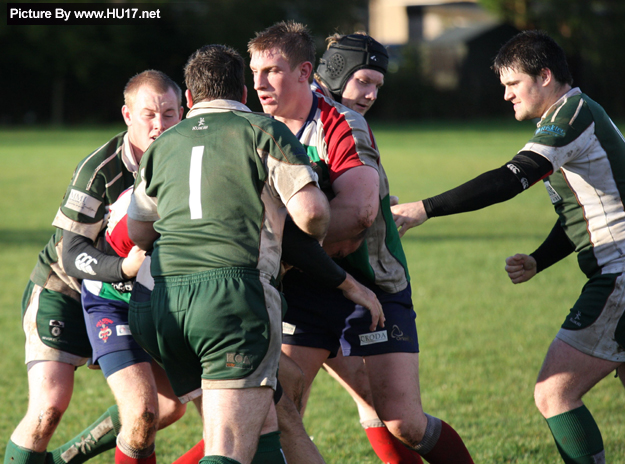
(587, 152)
(216, 185)
(97, 182)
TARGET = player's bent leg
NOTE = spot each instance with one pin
(296, 444)
(99, 437)
(291, 375)
(170, 409)
(394, 380)
(566, 375)
(134, 389)
(350, 372)
(50, 387)
(309, 360)
(233, 419)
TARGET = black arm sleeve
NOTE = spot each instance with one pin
(556, 246)
(495, 186)
(305, 253)
(84, 261)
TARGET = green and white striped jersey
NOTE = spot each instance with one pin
(587, 152)
(97, 182)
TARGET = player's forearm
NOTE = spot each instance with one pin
(305, 253)
(492, 187)
(82, 260)
(556, 247)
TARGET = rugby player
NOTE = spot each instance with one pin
(580, 155)
(57, 338)
(215, 217)
(356, 85)
(318, 320)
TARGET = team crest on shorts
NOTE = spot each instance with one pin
(238, 361)
(56, 328)
(105, 330)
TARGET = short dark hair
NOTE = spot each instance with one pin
(530, 52)
(293, 39)
(158, 80)
(215, 72)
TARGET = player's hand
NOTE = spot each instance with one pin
(361, 295)
(520, 268)
(132, 263)
(408, 215)
(394, 200)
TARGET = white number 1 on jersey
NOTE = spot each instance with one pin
(195, 183)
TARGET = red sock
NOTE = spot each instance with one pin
(389, 449)
(192, 456)
(122, 458)
(449, 448)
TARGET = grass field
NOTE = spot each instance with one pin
(482, 339)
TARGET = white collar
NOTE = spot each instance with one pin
(128, 156)
(216, 106)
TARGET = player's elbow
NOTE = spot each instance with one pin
(366, 214)
(316, 219)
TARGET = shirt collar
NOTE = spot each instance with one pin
(128, 156)
(216, 106)
(311, 115)
(562, 99)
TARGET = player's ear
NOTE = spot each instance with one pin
(546, 75)
(244, 97)
(187, 94)
(127, 115)
(305, 71)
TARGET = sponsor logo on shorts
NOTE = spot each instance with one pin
(238, 361)
(373, 337)
(105, 330)
(287, 328)
(123, 330)
(82, 203)
(200, 125)
(123, 287)
(56, 328)
(398, 335)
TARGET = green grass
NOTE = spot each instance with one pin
(482, 339)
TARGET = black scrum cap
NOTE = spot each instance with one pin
(346, 56)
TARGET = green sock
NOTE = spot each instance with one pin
(269, 450)
(98, 437)
(18, 455)
(577, 436)
(217, 460)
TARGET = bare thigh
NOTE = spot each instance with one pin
(351, 373)
(394, 380)
(566, 376)
(233, 419)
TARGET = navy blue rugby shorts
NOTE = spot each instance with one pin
(320, 317)
(109, 332)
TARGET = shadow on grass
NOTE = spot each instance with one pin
(28, 237)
